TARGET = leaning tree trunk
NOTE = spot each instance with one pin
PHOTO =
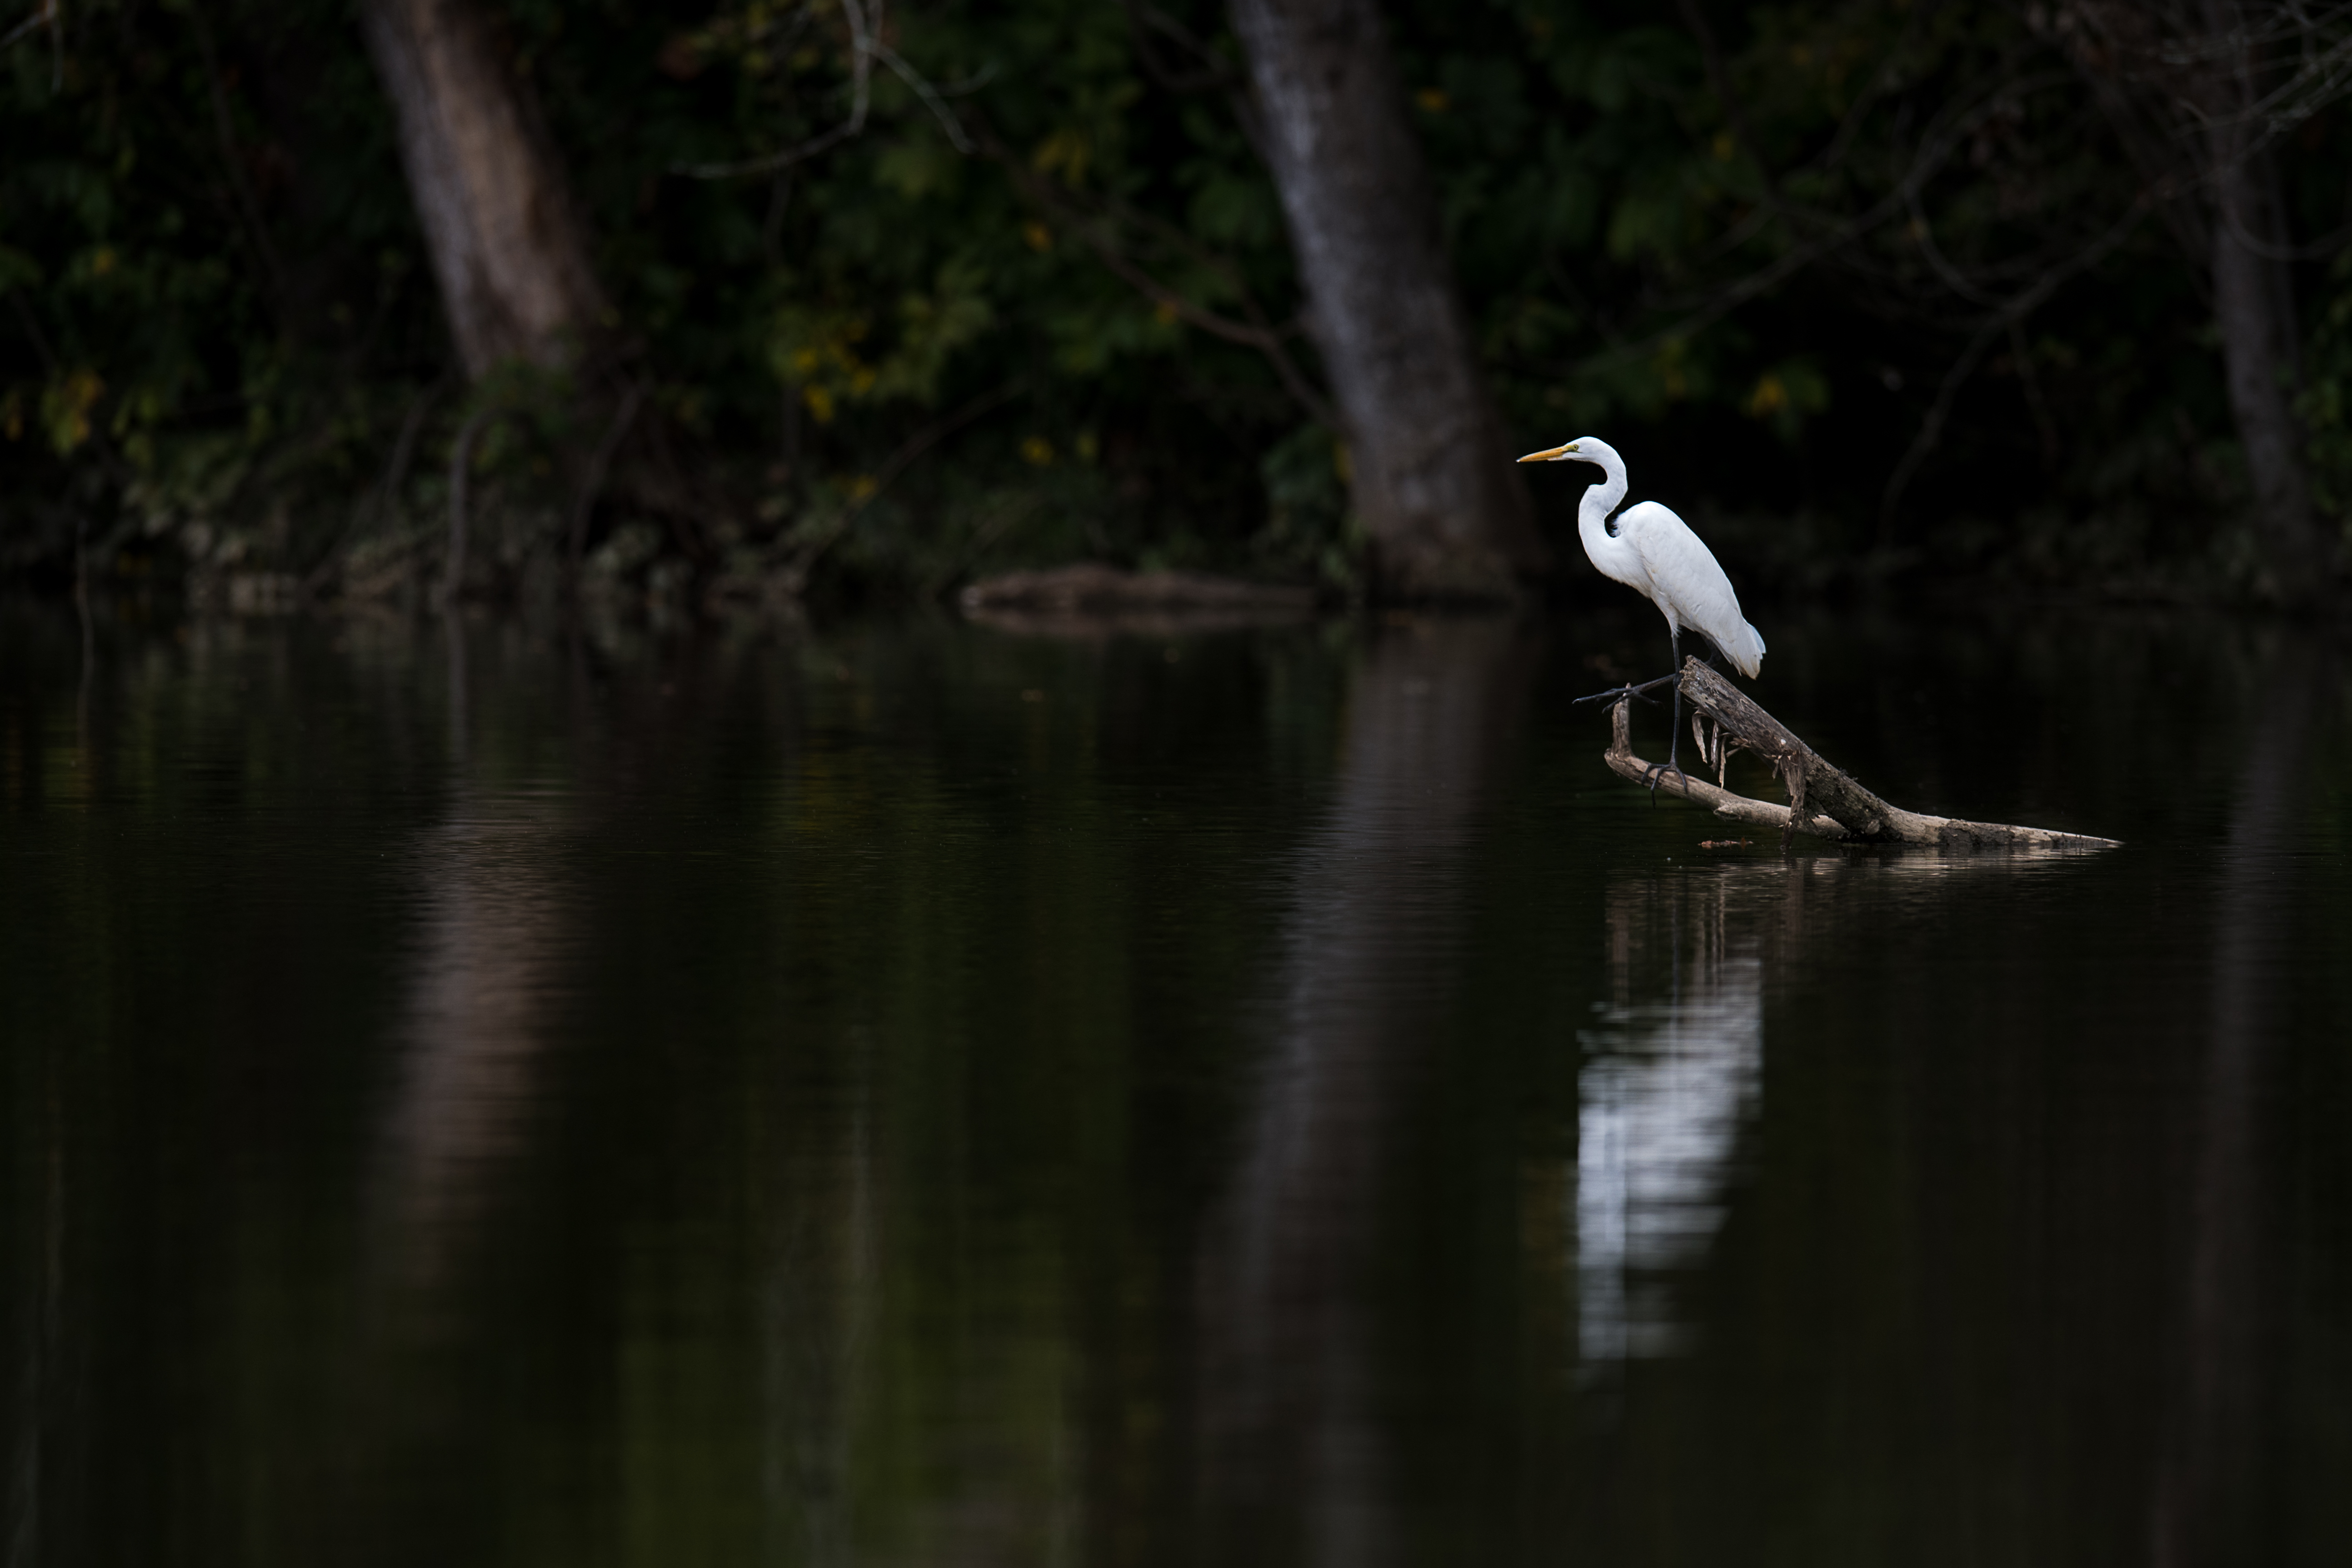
(508, 250)
(2253, 308)
(1431, 473)
(2178, 81)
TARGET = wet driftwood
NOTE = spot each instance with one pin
(1823, 800)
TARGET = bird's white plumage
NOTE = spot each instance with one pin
(1654, 552)
(1688, 583)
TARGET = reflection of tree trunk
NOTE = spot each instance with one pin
(1287, 1319)
(817, 1302)
(492, 939)
(1432, 476)
(486, 962)
(478, 1017)
(39, 1394)
(508, 249)
(2202, 1490)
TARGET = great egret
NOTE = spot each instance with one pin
(1654, 552)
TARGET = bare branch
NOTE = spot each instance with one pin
(46, 15)
(1144, 19)
(2008, 317)
(930, 97)
(225, 133)
(866, 47)
(1091, 223)
(809, 553)
(1936, 146)
(623, 417)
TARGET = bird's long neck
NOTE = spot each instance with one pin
(1592, 515)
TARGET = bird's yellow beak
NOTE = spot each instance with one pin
(1549, 453)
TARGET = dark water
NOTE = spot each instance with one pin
(904, 1093)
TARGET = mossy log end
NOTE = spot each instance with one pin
(1823, 800)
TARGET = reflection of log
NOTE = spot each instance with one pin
(1823, 800)
(1089, 602)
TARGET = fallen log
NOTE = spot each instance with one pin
(1824, 801)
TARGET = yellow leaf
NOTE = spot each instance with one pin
(1770, 397)
(1063, 151)
(66, 405)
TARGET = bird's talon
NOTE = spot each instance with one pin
(1655, 774)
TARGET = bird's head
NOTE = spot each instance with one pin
(1584, 450)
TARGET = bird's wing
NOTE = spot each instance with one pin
(1688, 582)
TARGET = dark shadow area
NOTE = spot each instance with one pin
(897, 1091)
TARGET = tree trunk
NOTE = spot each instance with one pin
(1431, 473)
(508, 250)
(2178, 82)
(2254, 307)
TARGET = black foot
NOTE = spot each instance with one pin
(1655, 774)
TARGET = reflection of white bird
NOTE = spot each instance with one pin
(1663, 1091)
(1654, 552)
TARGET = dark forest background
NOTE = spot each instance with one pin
(870, 301)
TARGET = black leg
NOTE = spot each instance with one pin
(1675, 744)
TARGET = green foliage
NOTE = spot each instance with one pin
(2326, 404)
(959, 332)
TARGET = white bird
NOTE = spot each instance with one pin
(1654, 552)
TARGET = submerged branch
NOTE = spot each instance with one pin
(1825, 800)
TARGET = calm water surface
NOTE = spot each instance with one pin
(900, 1092)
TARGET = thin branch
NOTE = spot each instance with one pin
(32, 326)
(1718, 76)
(1931, 429)
(2008, 316)
(866, 47)
(225, 133)
(805, 558)
(932, 435)
(1143, 19)
(1936, 146)
(623, 417)
(930, 97)
(371, 506)
(2031, 380)
(1256, 332)
(1924, 233)
(861, 69)
(985, 533)
(45, 17)
(461, 464)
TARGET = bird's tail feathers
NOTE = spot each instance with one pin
(1749, 655)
